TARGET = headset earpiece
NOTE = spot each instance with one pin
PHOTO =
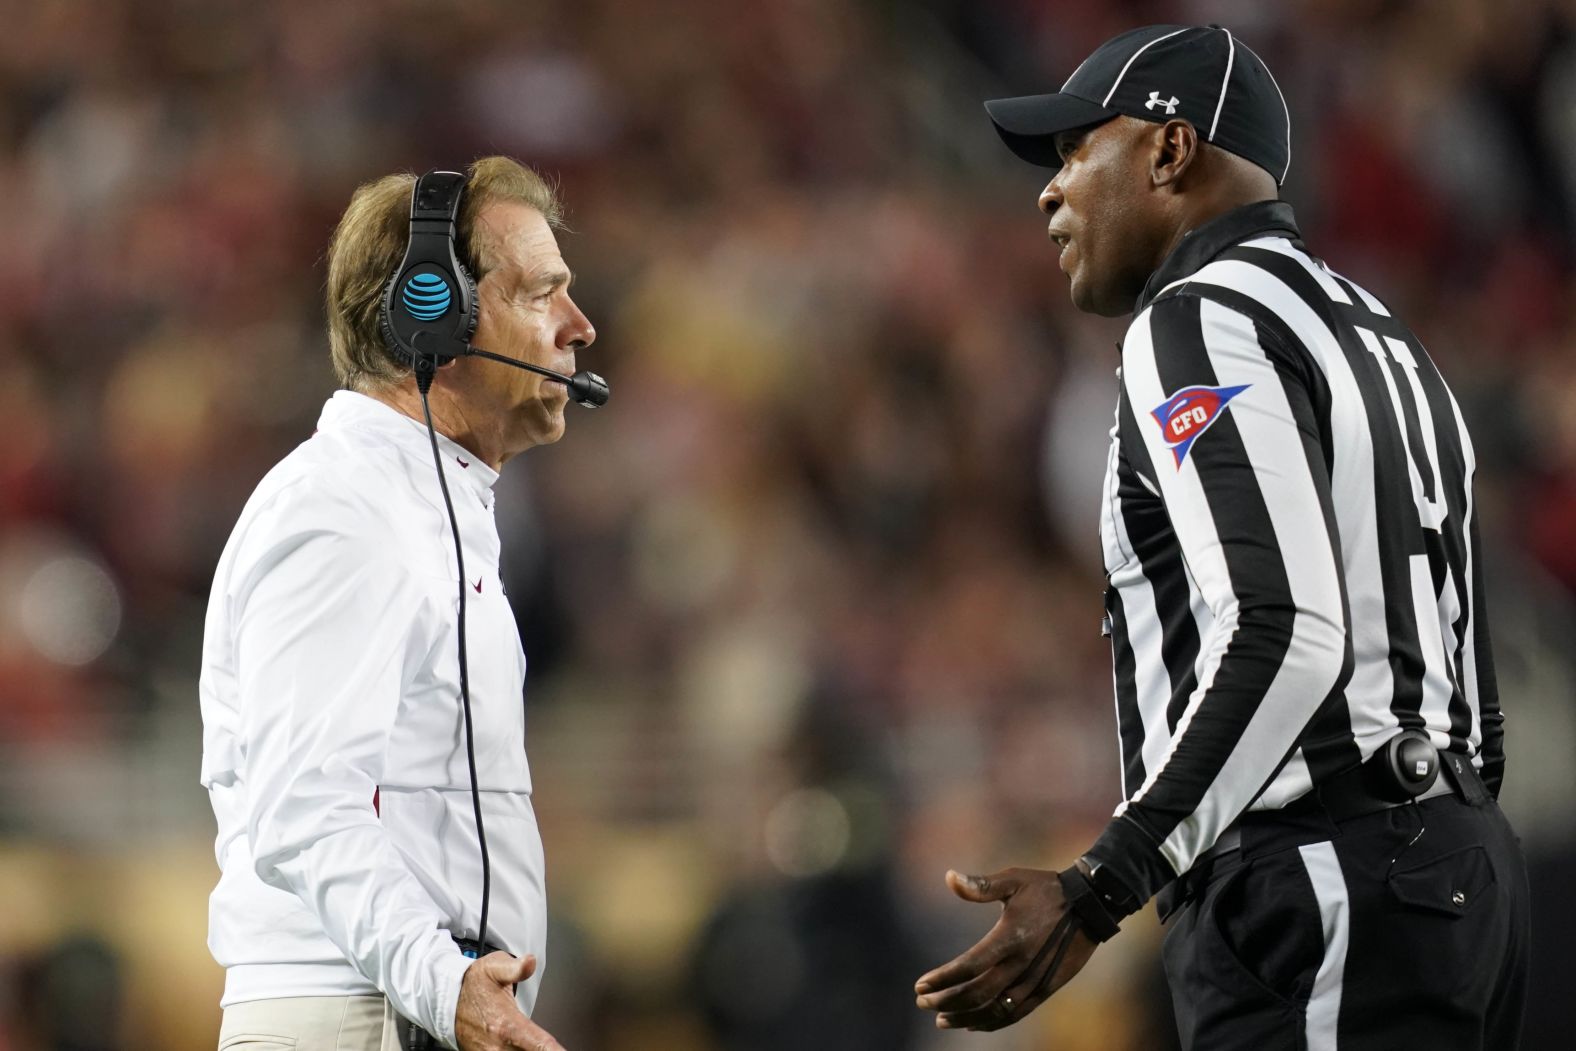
(430, 292)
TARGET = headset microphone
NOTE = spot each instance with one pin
(585, 388)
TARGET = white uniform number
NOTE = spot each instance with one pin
(1430, 511)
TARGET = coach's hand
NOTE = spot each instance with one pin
(1007, 973)
(488, 1018)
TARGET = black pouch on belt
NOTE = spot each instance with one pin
(1463, 776)
(413, 1037)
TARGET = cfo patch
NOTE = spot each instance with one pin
(1189, 413)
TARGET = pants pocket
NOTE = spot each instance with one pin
(1232, 960)
(1446, 885)
(257, 1042)
(1266, 929)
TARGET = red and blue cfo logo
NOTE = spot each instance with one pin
(1189, 413)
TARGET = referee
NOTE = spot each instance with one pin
(1311, 737)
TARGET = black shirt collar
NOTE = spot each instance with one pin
(1203, 243)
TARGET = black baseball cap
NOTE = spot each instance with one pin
(1203, 74)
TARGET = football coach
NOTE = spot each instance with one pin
(1311, 738)
(354, 737)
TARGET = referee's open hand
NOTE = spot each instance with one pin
(1013, 969)
(488, 1018)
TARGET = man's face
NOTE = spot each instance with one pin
(1101, 211)
(524, 312)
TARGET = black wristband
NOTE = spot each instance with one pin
(1085, 902)
(1115, 895)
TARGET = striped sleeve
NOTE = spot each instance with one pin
(1223, 415)
(1482, 653)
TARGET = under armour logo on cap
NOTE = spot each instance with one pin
(1155, 100)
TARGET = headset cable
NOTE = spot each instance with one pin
(426, 368)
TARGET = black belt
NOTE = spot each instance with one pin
(1348, 795)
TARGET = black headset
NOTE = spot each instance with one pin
(430, 298)
(429, 305)
(428, 317)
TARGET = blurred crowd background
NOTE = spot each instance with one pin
(813, 606)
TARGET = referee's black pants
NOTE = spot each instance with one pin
(1359, 936)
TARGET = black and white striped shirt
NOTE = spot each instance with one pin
(1290, 540)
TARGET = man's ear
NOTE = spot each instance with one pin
(1176, 149)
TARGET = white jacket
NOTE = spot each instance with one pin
(333, 739)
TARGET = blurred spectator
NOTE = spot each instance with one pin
(69, 997)
(816, 952)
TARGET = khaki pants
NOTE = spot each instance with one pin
(311, 1023)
